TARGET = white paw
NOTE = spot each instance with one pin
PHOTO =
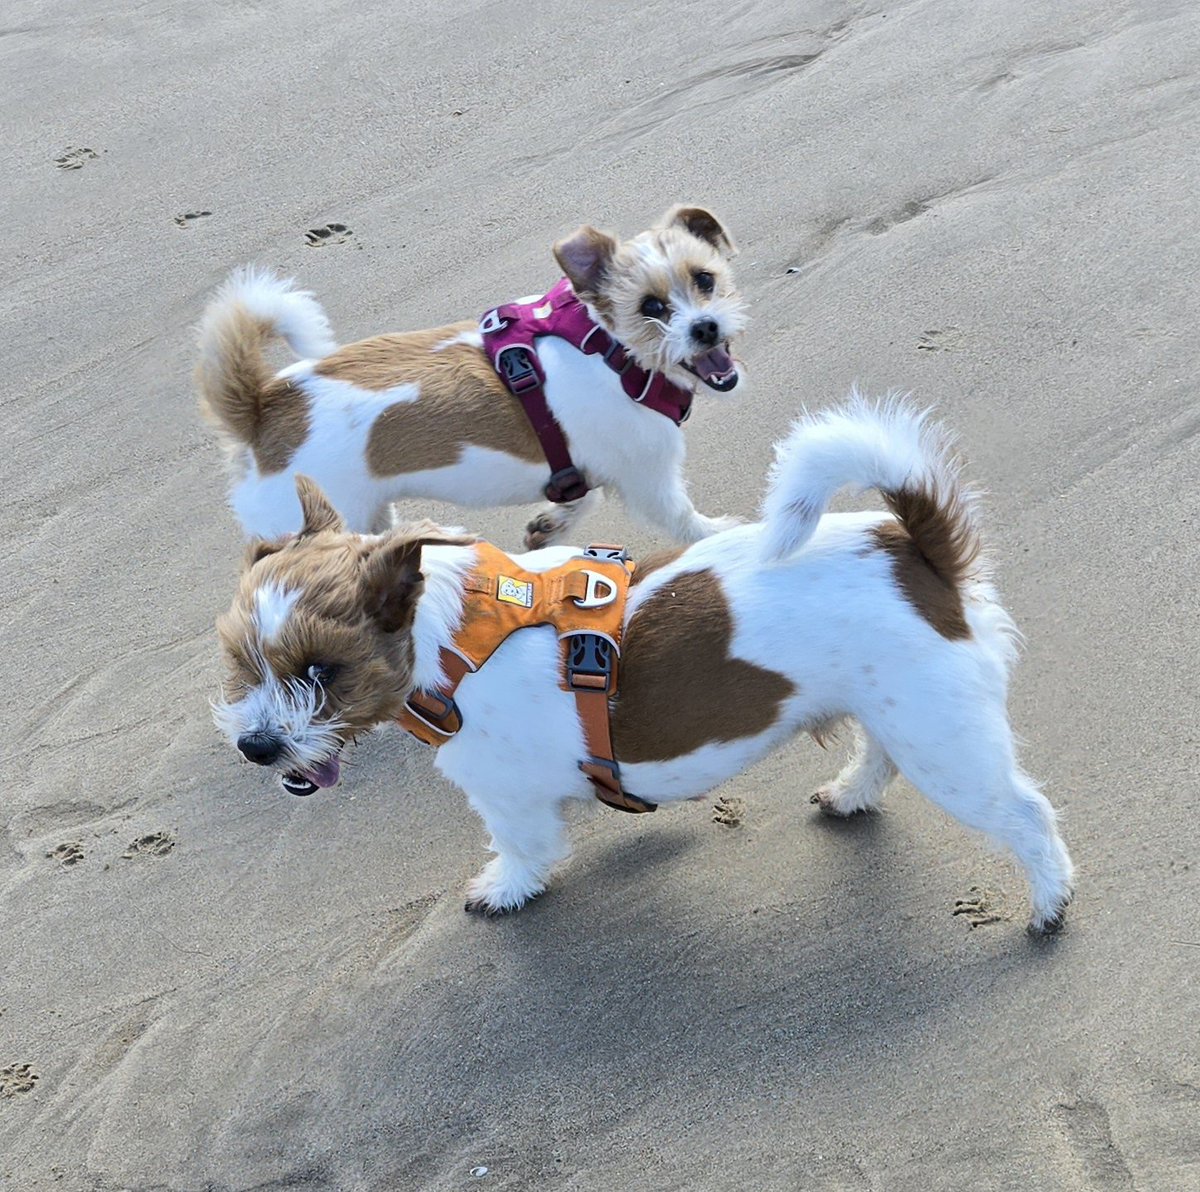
(835, 799)
(502, 887)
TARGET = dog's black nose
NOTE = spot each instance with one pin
(705, 332)
(260, 748)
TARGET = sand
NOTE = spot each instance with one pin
(209, 985)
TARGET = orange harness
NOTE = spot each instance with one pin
(584, 600)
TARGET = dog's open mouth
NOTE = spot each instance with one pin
(305, 782)
(716, 368)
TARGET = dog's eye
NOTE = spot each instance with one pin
(322, 673)
(704, 282)
(653, 308)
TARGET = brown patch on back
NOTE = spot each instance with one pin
(462, 401)
(679, 688)
(936, 599)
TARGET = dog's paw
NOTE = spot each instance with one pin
(544, 530)
(501, 888)
(833, 799)
(1052, 921)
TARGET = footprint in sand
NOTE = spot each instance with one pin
(728, 810)
(70, 852)
(154, 844)
(945, 339)
(16, 1080)
(333, 233)
(75, 159)
(977, 908)
(188, 217)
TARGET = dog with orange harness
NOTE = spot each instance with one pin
(562, 674)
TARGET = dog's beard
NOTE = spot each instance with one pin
(674, 352)
(289, 709)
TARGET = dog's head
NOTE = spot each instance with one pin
(318, 644)
(668, 294)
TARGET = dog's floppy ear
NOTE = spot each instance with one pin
(392, 581)
(702, 224)
(584, 256)
(319, 514)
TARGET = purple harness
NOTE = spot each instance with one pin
(509, 334)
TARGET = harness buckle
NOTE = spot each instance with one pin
(589, 661)
(517, 368)
(566, 485)
(434, 710)
(607, 551)
(593, 596)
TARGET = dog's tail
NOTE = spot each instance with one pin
(250, 307)
(887, 445)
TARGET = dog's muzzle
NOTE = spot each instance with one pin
(263, 749)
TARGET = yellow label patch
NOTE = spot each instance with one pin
(514, 591)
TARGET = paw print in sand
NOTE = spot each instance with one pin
(70, 852)
(977, 908)
(16, 1080)
(154, 844)
(75, 159)
(334, 233)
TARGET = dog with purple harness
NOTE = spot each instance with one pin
(562, 397)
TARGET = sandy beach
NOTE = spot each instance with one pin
(208, 985)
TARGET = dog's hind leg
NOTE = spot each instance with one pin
(960, 755)
(860, 785)
(527, 841)
(554, 522)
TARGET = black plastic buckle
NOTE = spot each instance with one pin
(607, 552)
(589, 658)
(566, 485)
(517, 368)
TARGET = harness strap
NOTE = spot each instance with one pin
(520, 370)
(509, 333)
(589, 673)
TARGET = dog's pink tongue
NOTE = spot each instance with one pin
(326, 774)
(714, 365)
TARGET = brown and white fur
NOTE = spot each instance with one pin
(423, 413)
(731, 647)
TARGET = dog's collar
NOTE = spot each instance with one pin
(509, 338)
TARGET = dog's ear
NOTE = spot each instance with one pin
(260, 548)
(702, 224)
(392, 581)
(319, 514)
(584, 257)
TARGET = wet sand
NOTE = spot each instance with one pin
(208, 985)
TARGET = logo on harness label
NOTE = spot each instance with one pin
(514, 591)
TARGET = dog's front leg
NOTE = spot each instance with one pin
(658, 495)
(527, 841)
(554, 522)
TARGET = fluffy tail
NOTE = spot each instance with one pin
(886, 445)
(252, 305)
